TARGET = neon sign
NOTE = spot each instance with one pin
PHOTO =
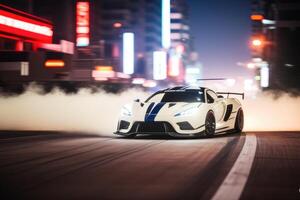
(166, 24)
(128, 53)
(24, 27)
(82, 24)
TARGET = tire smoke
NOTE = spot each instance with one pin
(268, 112)
(86, 111)
(97, 113)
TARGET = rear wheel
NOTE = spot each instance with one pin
(210, 124)
(239, 121)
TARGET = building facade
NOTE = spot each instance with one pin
(180, 40)
(25, 41)
(276, 30)
(116, 37)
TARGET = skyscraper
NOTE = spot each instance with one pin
(180, 40)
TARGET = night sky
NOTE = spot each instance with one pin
(221, 29)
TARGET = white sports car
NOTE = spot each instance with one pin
(182, 112)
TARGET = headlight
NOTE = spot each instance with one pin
(187, 112)
(126, 111)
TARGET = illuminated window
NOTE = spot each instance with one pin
(82, 41)
(186, 27)
(159, 65)
(175, 36)
(176, 16)
(174, 66)
(176, 26)
(82, 23)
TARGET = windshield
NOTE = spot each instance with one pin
(178, 96)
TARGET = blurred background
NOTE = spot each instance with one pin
(67, 68)
(253, 44)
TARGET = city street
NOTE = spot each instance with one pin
(76, 75)
(55, 165)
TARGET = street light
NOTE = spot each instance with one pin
(257, 42)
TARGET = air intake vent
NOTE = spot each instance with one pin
(171, 104)
(124, 124)
(185, 126)
(228, 112)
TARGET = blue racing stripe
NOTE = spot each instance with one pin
(151, 116)
(148, 110)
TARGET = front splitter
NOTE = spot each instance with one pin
(172, 134)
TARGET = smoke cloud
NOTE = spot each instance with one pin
(98, 112)
(56, 111)
(268, 112)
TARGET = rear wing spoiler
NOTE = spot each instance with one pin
(232, 93)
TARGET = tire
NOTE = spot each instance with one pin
(210, 124)
(239, 121)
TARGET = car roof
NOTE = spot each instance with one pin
(183, 88)
(178, 89)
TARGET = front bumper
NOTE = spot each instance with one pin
(155, 128)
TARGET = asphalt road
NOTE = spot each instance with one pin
(52, 165)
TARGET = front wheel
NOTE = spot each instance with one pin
(210, 124)
(239, 121)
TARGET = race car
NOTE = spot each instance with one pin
(182, 111)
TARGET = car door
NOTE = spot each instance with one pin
(218, 104)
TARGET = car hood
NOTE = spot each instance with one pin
(151, 109)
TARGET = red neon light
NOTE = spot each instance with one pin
(24, 27)
(82, 23)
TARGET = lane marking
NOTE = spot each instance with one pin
(235, 181)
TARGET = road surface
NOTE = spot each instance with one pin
(53, 165)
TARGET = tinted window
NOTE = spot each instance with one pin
(183, 96)
(209, 99)
(211, 96)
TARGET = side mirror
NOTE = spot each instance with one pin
(137, 100)
(220, 96)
